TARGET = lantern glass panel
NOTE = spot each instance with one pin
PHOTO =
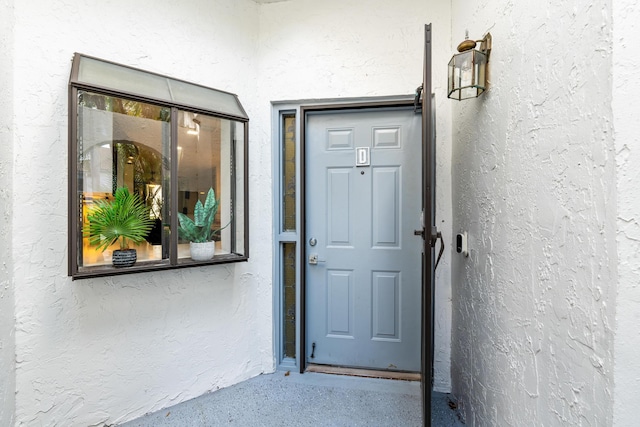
(467, 74)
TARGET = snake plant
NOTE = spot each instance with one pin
(198, 229)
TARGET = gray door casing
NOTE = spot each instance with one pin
(363, 262)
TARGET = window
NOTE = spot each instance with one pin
(179, 150)
(288, 224)
(286, 246)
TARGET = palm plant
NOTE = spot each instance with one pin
(124, 219)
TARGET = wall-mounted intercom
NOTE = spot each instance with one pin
(461, 244)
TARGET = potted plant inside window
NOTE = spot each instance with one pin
(124, 219)
(198, 230)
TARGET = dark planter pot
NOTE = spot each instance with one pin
(124, 258)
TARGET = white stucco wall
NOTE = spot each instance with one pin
(107, 350)
(626, 105)
(549, 200)
(534, 185)
(7, 323)
(110, 349)
(333, 49)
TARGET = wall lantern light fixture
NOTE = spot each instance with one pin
(468, 69)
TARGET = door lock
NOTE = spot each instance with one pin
(313, 259)
(435, 235)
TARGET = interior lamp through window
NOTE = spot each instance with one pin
(191, 123)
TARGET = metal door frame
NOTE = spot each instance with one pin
(429, 231)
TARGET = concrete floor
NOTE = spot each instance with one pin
(311, 399)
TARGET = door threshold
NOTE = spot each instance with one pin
(359, 372)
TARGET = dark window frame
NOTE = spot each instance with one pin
(74, 210)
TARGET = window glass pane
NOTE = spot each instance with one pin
(122, 144)
(210, 157)
(238, 167)
(208, 99)
(137, 82)
(289, 172)
(289, 300)
(124, 79)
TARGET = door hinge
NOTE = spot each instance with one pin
(416, 100)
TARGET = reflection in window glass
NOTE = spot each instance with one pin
(289, 300)
(239, 209)
(289, 172)
(123, 143)
(204, 163)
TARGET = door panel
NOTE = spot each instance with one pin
(386, 207)
(386, 305)
(339, 209)
(363, 290)
(340, 303)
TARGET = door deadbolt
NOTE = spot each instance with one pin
(313, 241)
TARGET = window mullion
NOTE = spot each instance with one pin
(173, 241)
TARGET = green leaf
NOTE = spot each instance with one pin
(124, 218)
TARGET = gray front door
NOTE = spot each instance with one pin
(363, 270)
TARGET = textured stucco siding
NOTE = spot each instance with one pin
(7, 322)
(534, 185)
(626, 106)
(333, 49)
(541, 171)
(108, 350)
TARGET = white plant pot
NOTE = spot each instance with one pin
(202, 251)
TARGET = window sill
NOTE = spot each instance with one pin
(147, 266)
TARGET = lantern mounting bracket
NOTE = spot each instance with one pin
(485, 45)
